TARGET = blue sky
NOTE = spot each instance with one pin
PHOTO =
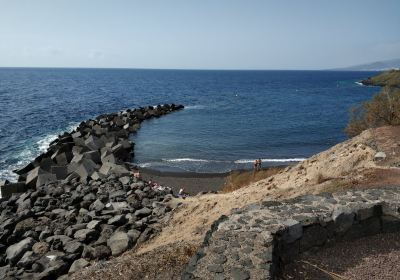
(203, 34)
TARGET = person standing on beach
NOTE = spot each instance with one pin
(255, 165)
(259, 164)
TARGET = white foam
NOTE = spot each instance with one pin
(358, 83)
(195, 107)
(145, 164)
(43, 144)
(30, 152)
(271, 160)
(185, 160)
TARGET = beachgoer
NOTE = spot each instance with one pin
(259, 164)
(182, 193)
(255, 165)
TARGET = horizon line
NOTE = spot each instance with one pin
(179, 69)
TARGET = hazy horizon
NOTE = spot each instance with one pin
(191, 35)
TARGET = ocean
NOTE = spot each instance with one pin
(231, 117)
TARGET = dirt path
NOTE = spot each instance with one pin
(375, 258)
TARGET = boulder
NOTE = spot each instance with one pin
(143, 212)
(119, 205)
(7, 190)
(94, 143)
(379, 156)
(46, 164)
(73, 247)
(119, 242)
(32, 176)
(109, 158)
(79, 142)
(62, 238)
(61, 172)
(117, 220)
(3, 183)
(64, 158)
(115, 169)
(94, 224)
(27, 260)
(101, 252)
(126, 144)
(134, 234)
(97, 176)
(26, 169)
(24, 205)
(16, 251)
(76, 150)
(78, 265)
(97, 206)
(77, 158)
(92, 155)
(125, 180)
(76, 134)
(85, 168)
(53, 269)
(86, 235)
(45, 178)
(119, 151)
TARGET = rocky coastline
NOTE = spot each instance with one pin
(79, 202)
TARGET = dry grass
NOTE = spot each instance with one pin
(166, 262)
(242, 178)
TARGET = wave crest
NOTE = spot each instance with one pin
(185, 159)
(271, 160)
(195, 107)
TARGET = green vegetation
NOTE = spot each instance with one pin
(387, 79)
(241, 178)
(383, 109)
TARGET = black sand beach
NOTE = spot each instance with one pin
(192, 182)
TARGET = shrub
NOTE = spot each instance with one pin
(383, 109)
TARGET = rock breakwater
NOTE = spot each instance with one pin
(78, 202)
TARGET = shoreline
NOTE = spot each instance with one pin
(194, 182)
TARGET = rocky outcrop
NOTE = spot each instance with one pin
(367, 82)
(78, 202)
(257, 241)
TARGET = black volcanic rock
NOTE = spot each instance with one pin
(78, 202)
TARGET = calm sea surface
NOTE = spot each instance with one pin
(231, 117)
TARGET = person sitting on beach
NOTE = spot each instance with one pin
(135, 172)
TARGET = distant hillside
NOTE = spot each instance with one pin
(374, 66)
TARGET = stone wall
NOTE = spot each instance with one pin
(257, 241)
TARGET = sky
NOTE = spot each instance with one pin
(202, 34)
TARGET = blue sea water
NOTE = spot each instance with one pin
(231, 117)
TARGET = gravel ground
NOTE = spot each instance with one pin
(374, 257)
